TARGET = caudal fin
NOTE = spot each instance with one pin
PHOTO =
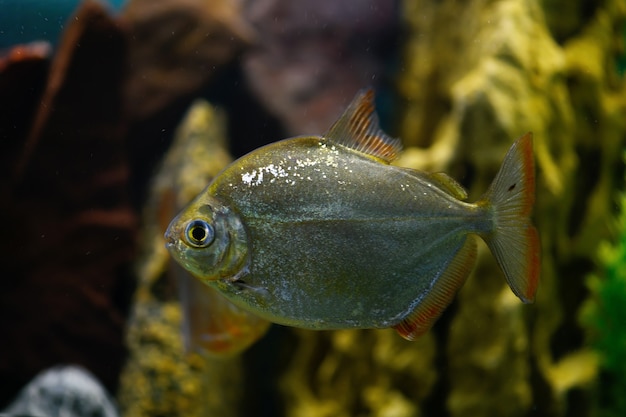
(514, 240)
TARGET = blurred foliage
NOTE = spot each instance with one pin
(621, 60)
(605, 314)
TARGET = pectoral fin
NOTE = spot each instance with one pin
(441, 293)
(212, 325)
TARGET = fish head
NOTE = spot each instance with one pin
(208, 239)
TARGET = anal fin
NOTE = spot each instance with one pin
(441, 293)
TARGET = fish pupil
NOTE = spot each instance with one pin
(198, 234)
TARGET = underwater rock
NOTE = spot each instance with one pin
(312, 56)
(23, 71)
(38, 20)
(69, 234)
(163, 377)
(67, 391)
(177, 46)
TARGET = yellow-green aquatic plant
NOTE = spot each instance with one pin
(604, 315)
(621, 60)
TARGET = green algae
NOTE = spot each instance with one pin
(621, 60)
(604, 314)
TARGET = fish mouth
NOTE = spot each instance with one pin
(170, 240)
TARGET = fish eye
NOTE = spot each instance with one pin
(199, 233)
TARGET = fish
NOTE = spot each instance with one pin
(323, 232)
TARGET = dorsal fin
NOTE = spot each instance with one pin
(358, 128)
(449, 184)
(442, 181)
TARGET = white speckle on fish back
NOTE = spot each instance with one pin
(255, 177)
(249, 177)
(305, 163)
(287, 169)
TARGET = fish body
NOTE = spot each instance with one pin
(323, 233)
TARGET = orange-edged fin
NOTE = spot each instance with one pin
(441, 294)
(358, 128)
(514, 241)
(212, 325)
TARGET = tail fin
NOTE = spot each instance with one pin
(514, 241)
